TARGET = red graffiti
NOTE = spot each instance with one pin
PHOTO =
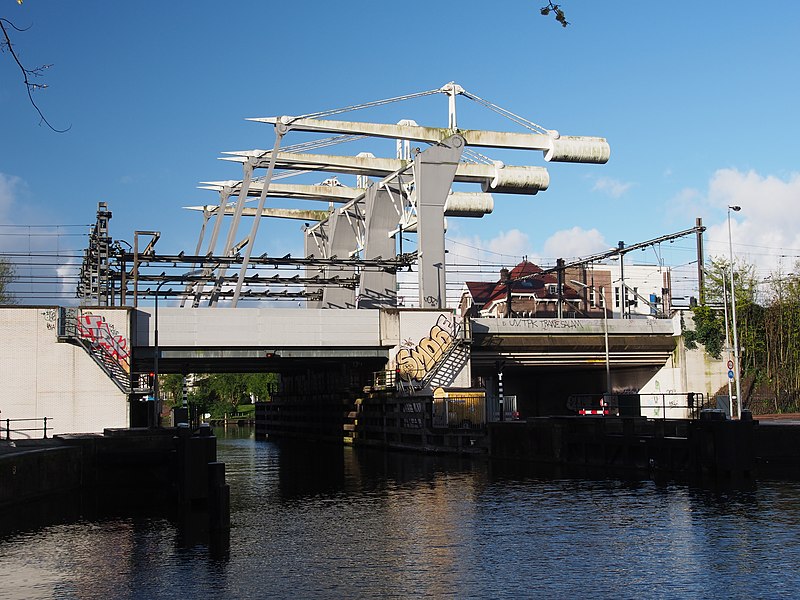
(97, 331)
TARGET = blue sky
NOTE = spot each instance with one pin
(698, 102)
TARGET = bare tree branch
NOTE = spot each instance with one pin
(27, 74)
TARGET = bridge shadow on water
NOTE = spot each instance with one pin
(100, 507)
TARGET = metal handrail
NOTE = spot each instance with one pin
(43, 428)
(692, 403)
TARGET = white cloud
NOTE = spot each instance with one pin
(506, 247)
(575, 242)
(611, 187)
(766, 232)
(10, 186)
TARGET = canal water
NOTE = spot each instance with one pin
(330, 522)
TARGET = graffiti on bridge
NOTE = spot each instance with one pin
(416, 361)
(100, 334)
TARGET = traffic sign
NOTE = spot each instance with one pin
(730, 374)
(730, 365)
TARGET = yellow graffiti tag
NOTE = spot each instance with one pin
(414, 363)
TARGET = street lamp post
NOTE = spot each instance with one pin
(605, 335)
(727, 338)
(157, 350)
(156, 407)
(733, 318)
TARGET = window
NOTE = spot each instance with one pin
(592, 298)
(616, 297)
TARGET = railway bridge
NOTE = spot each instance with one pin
(87, 367)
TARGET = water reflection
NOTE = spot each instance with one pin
(326, 521)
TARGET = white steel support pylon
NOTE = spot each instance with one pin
(434, 171)
(413, 195)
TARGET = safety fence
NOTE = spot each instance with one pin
(459, 409)
(27, 432)
(654, 406)
(502, 410)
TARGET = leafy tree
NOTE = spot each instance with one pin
(230, 388)
(717, 284)
(778, 354)
(262, 386)
(223, 393)
(709, 330)
(172, 386)
(768, 327)
(6, 276)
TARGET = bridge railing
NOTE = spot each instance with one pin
(384, 380)
(110, 352)
(670, 405)
(7, 429)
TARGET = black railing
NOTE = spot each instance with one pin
(654, 406)
(99, 344)
(43, 428)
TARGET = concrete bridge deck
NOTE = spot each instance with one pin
(247, 339)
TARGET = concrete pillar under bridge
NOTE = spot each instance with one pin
(547, 363)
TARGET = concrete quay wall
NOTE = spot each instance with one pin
(32, 471)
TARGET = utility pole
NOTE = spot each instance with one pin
(560, 274)
(623, 290)
(700, 265)
(736, 371)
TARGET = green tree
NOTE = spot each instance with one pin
(709, 330)
(261, 386)
(779, 352)
(709, 319)
(172, 386)
(230, 388)
(768, 329)
(6, 276)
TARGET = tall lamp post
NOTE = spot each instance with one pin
(727, 338)
(605, 329)
(733, 318)
(156, 406)
(157, 350)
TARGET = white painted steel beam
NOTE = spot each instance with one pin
(556, 148)
(458, 204)
(498, 177)
(275, 213)
(327, 193)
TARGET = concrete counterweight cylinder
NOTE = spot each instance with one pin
(517, 180)
(468, 204)
(578, 149)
